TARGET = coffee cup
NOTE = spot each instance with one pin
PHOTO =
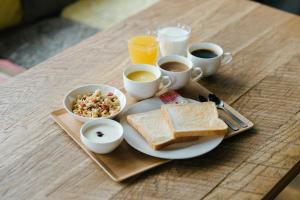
(143, 81)
(208, 56)
(179, 69)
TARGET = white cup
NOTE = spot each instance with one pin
(209, 66)
(173, 39)
(144, 90)
(181, 78)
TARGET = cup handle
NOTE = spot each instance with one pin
(227, 57)
(166, 82)
(199, 73)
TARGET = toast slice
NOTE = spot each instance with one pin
(194, 119)
(154, 129)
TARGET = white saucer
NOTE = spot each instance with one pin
(176, 151)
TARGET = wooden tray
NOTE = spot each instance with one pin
(125, 161)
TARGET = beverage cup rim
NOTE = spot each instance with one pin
(154, 45)
(189, 65)
(144, 68)
(196, 46)
(183, 26)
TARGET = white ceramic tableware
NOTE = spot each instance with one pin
(174, 151)
(180, 79)
(173, 39)
(143, 90)
(90, 88)
(209, 66)
(101, 135)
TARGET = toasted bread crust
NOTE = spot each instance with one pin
(221, 132)
(143, 132)
(192, 133)
(168, 120)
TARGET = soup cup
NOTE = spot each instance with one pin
(146, 89)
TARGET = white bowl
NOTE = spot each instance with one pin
(111, 139)
(71, 96)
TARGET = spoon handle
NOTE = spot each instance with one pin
(231, 125)
(238, 120)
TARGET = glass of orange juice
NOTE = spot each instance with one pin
(143, 49)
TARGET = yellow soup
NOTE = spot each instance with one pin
(141, 76)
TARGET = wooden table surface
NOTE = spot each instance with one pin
(39, 161)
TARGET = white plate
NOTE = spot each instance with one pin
(175, 151)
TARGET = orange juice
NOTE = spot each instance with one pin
(143, 49)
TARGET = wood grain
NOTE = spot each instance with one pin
(39, 161)
(112, 163)
(136, 162)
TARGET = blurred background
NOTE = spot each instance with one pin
(32, 31)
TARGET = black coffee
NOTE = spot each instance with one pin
(204, 53)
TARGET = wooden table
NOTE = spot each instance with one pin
(39, 161)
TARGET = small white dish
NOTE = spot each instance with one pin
(101, 135)
(175, 151)
(71, 96)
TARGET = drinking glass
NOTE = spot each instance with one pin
(143, 49)
(173, 39)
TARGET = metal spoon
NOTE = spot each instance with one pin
(231, 125)
(220, 104)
